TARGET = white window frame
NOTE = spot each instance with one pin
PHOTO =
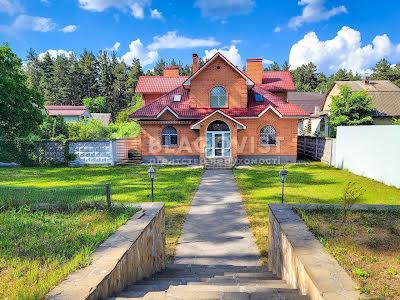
(265, 136)
(219, 97)
(168, 137)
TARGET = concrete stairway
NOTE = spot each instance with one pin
(219, 163)
(212, 282)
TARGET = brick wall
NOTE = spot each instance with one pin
(286, 135)
(151, 137)
(211, 76)
(243, 142)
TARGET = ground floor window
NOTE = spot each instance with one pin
(169, 136)
(268, 136)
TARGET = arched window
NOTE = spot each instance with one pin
(322, 125)
(218, 126)
(218, 97)
(169, 136)
(268, 136)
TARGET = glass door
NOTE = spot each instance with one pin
(218, 144)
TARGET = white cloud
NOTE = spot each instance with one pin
(315, 11)
(55, 53)
(171, 40)
(25, 22)
(156, 14)
(267, 62)
(115, 47)
(135, 7)
(236, 42)
(343, 51)
(277, 29)
(220, 9)
(136, 50)
(232, 54)
(11, 7)
(69, 28)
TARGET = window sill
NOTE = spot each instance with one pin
(272, 145)
(169, 146)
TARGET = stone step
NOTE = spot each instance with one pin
(272, 294)
(238, 280)
(225, 268)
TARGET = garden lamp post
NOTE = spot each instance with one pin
(283, 175)
(152, 175)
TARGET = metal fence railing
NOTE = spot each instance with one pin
(55, 198)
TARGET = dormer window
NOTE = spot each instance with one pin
(218, 97)
(259, 98)
(177, 98)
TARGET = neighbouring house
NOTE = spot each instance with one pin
(384, 93)
(219, 113)
(317, 123)
(103, 118)
(68, 112)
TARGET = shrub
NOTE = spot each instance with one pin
(351, 194)
(124, 130)
(96, 104)
(90, 130)
(123, 115)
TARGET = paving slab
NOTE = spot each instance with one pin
(217, 231)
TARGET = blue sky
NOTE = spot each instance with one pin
(338, 33)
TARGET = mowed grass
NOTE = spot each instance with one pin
(39, 249)
(306, 183)
(175, 186)
(366, 245)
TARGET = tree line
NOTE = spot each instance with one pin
(69, 80)
(307, 78)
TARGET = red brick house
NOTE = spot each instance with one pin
(218, 113)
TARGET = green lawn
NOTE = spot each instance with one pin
(175, 186)
(366, 245)
(306, 183)
(38, 250)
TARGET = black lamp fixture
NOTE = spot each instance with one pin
(152, 175)
(283, 173)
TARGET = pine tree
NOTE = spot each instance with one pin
(89, 74)
(285, 66)
(159, 68)
(46, 86)
(134, 72)
(33, 69)
(273, 67)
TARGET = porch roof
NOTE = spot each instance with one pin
(197, 125)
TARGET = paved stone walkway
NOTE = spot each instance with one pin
(216, 231)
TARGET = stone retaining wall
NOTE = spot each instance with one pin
(299, 259)
(135, 251)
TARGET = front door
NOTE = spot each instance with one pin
(218, 144)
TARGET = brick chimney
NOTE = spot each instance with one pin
(254, 69)
(195, 64)
(172, 71)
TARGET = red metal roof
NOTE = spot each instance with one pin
(278, 81)
(158, 84)
(65, 110)
(182, 108)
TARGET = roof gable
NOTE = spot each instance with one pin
(197, 125)
(249, 82)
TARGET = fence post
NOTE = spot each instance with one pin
(108, 194)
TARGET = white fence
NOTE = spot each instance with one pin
(102, 152)
(370, 151)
